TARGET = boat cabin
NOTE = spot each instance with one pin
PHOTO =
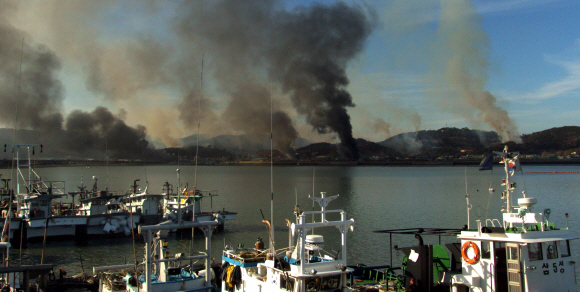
(143, 203)
(37, 206)
(305, 266)
(531, 255)
(521, 251)
(97, 205)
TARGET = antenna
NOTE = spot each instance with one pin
(198, 123)
(313, 177)
(107, 163)
(6, 228)
(272, 168)
(467, 198)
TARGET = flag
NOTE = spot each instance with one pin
(486, 163)
(513, 165)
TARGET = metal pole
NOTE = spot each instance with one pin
(148, 239)
(178, 197)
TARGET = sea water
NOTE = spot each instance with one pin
(377, 198)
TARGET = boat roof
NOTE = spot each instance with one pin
(137, 196)
(101, 198)
(423, 231)
(42, 198)
(527, 237)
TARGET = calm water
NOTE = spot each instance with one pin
(376, 197)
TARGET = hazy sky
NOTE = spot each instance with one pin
(512, 66)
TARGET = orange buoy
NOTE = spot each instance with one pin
(465, 247)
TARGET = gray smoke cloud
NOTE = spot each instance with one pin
(459, 62)
(305, 51)
(40, 97)
(249, 47)
(88, 132)
(38, 104)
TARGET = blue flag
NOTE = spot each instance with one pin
(486, 163)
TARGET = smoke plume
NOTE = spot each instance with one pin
(37, 105)
(249, 47)
(305, 50)
(460, 63)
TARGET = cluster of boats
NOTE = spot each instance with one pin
(34, 214)
(521, 251)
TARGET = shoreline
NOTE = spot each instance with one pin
(5, 164)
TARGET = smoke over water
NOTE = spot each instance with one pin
(39, 103)
(250, 47)
(305, 51)
(459, 70)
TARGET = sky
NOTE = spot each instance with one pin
(392, 66)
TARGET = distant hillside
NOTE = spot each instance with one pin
(238, 143)
(442, 142)
(367, 150)
(553, 140)
(560, 141)
(450, 142)
(188, 153)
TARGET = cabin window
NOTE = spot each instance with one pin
(485, 250)
(512, 253)
(565, 248)
(535, 251)
(551, 250)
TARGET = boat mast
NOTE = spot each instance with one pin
(198, 124)
(506, 157)
(272, 172)
(178, 196)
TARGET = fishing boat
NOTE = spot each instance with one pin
(187, 207)
(105, 214)
(35, 211)
(161, 270)
(8, 205)
(521, 251)
(148, 206)
(302, 266)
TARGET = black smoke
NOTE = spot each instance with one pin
(305, 51)
(33, 99)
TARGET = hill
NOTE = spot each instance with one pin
(560, 141)
(442, 142)
(428, 144)
(327, 151)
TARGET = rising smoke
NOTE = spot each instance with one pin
(459, 70)
(37, 102)
(305, 51)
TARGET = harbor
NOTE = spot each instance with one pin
(377, 198)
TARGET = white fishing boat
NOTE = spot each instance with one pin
(9, 206)
(34, 205)
(304, 266)
(105, 215)
(521, 251)
(162, 271)
(148, 206)
(190, 207)
(39, 221)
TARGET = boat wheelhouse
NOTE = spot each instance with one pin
(148, 206)
(305, 266)
(187, 207)
(521, 251)
(104, 216)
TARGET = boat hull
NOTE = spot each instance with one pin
(62, 227)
